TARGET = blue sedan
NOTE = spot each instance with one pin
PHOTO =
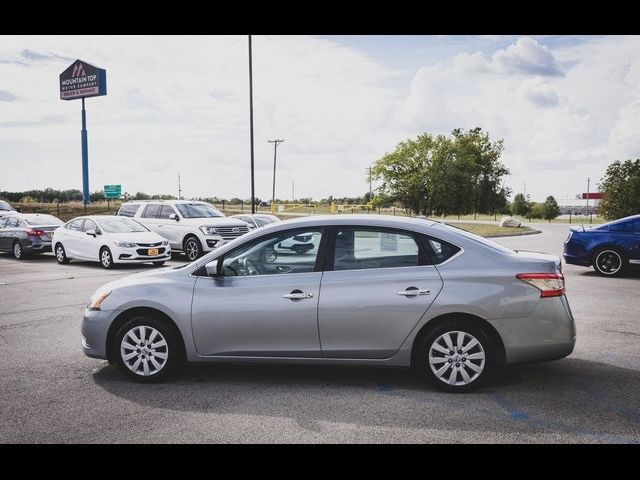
(610, 248)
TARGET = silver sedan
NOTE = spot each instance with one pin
(372, 290)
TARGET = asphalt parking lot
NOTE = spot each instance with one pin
(51, 392)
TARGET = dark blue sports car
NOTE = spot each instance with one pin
(610, 248)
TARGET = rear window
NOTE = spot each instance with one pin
(41, 220)
(128, 209)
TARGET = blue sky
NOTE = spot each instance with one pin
(566, 107)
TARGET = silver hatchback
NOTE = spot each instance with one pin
(371, 290)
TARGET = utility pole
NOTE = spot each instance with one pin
(179, 188)
(370, 190)
(293, 191)
(253, 193)
(275, 153)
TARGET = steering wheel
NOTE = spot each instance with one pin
(250, 267)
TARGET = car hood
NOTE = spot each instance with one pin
(213, 221)
(134, 279)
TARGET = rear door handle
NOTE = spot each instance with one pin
(297, 295)
(413, 292)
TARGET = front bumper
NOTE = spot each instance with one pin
(548, 333)
(132, 255)
(94, 329)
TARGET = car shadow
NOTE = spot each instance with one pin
(631, 272)
(590, 400)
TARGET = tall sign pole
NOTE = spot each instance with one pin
(275, 153)
(82, 80)
(85, 157)
(253, 193)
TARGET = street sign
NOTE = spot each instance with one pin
(112, 191)
(82, 80)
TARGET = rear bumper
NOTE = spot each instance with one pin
(548, 333)
(575, 260)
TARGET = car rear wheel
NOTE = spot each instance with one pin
(106, 259)
(18, 251)
(609, 262)
(61, 255)
(192, 248)
(456, 356)
(147, 349)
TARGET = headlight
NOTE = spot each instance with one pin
(208, 230)
(165, 243)
(126, 244)
(95, 302)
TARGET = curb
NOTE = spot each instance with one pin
(499, 235)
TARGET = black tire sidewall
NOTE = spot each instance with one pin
(623, 260)
(198, 246)
(174, 357)
(110, 256)
(421, 363)
(13, 251)
(64, 254)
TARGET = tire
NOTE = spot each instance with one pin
(158, 264)
(61, 255)
(609, 262)
(106, 258)
(147, 363)
(17, 251)
(437, 367)
(192, 248)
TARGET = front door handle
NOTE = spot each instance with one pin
(413, 292)
(297, 295)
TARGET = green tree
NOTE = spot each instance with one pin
(536, 210)
(621, 189)
(520, 205)
(550, 208)
(438, 174)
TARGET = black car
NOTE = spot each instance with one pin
(27, 234)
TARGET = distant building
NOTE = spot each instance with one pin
(578, 206)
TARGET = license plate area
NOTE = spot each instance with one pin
(152, 251)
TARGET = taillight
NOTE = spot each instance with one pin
(35, 233)
(549, 284)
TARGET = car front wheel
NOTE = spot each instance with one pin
(61, 255)
(455, 357)
(106, 259)
(147, 349)
(192, 248)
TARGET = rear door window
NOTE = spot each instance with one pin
(359, 248)
(151, 211)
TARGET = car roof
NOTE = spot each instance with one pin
(165, 201)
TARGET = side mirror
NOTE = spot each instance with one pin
(174, 216)
(91, 232)
(212, 268)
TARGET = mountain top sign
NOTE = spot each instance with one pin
(81, 80)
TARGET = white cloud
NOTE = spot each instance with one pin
(181, 104)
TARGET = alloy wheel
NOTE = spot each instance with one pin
(609, 262)
(144, 350)
(457, 358)
(191, 249)
(105, 258)
(17, 250)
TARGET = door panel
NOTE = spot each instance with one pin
(361, 314)
(248, 316)
(378, 290)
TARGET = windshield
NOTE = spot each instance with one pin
(37, 220)
(121, 225)
(5, 206)
(198, 210)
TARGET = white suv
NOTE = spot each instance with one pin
(191, 226)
